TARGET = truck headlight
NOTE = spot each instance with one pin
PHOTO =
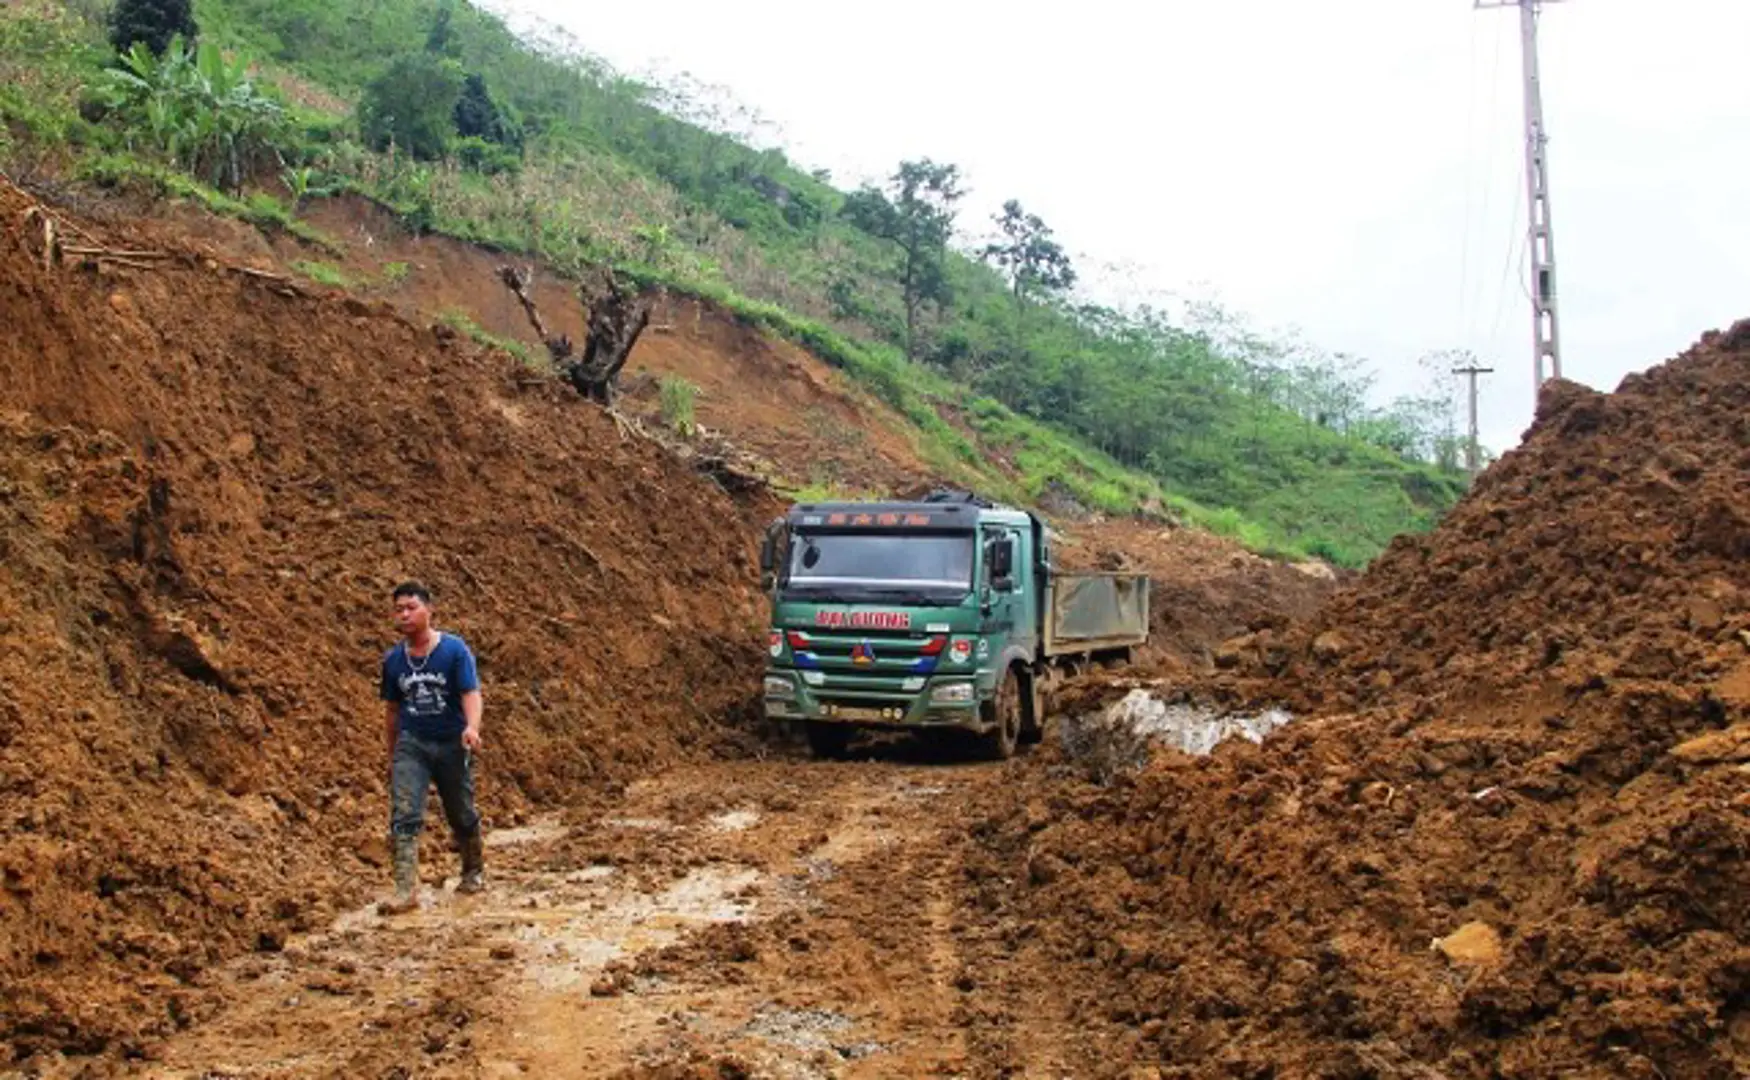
(958, 693)
(777, 686)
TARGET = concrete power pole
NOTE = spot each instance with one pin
(1546, 337)
(1472, 454)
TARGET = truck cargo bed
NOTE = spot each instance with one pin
(1095, 612)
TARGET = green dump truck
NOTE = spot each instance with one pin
(943, 614)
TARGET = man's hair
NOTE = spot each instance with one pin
(413, 589)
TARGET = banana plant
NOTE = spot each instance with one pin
(200, 111)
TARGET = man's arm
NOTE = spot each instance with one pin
(391, 723)
(472, 707)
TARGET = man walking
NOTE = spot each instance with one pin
(431, 694)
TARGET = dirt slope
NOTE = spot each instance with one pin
(1507, 839)
(807, 422)
(207, 483)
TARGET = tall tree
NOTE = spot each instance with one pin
(1027, 255)
(413, 105)
(440, 40)
(916, 212)
(155, 22)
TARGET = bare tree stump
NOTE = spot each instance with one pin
(617, 316)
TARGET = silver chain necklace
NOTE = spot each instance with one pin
(407, 651)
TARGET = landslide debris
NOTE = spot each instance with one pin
(208, 480)
(1203, 588)
(1507, 836)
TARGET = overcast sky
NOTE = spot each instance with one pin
(1351, 170)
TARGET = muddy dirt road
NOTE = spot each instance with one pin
(786, 919)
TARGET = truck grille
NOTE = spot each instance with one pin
(859, 668)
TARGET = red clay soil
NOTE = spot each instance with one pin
(1509, 836)
(208, 483)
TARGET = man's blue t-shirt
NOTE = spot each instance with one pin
(429, 689)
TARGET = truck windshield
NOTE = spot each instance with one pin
(927, 567)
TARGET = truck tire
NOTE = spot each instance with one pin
(1003, 713)
(827, 740)
(1033, 709)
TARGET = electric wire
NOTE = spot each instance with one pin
(1517, 242)
(1490, 156)
(1468, 183)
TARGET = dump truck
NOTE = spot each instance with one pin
(945, 614)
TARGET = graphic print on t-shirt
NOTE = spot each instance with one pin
(424, 693)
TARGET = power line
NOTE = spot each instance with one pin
(1473, 324)
(1470, 147)
(1515, 258)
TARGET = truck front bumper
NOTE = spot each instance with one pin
(869, 707)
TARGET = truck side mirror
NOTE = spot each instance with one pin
(1002, 558)
(1002, 564)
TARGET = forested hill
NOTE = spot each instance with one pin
(438, 110)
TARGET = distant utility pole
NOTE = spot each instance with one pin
(1472, 455)
(1546, 339)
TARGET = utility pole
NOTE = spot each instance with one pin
(1471, 453)
(1546, 338)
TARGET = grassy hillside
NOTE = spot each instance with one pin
(1111, 409)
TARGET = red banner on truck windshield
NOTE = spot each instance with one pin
(864, 620)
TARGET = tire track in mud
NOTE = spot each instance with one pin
(782, 919)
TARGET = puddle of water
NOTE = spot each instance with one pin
(533, 833)
(648, 824)
(812, 1031)
(923, 791)
(735, 821)
(570, 946)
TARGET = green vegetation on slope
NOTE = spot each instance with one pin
(537, 148)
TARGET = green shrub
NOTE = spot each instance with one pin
(678, 400)
(324, 274)
(486, 158)
(461, 321)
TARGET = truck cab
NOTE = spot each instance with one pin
(930, 615)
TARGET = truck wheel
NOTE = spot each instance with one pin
(827, 740)
(1033, 710)
(1003, 712)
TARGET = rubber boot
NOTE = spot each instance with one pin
(473, 864)
(406, 877)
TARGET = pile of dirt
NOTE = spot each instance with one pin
(1203, 588)
(209, 480)
(1608, 550)
(1507, 835)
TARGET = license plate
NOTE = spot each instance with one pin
(848, 713)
